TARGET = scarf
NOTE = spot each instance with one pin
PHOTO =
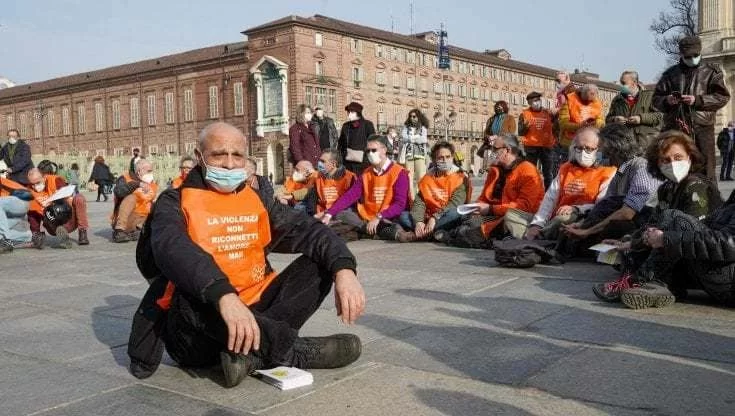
(497, 123)
(11, 150)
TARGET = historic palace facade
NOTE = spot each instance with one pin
(160, 104)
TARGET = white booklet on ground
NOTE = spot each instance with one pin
(607, 253)
(62, 193)
(286, 378)
(465, 209)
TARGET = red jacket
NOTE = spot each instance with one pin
(304, 144)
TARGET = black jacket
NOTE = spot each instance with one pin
(21, 162)
(722, 139)
(355, 138)
(705, 82)
(101, 174)
(650, 117)
(326, 128)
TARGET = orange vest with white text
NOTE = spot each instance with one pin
(7, 186)
(143, 200)
(329, 190)
(579, 112)
(579, 185)
(437, 190)
(539, 132)
(377, 191)
(40, 197)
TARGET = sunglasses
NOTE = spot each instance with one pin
(586, 149)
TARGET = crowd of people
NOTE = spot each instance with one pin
(640, 178)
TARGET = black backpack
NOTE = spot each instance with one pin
(525, 253)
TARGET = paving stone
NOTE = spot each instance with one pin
(94, 297)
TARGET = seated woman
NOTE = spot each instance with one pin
(440, 192)
(672, 157)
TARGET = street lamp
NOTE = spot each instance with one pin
(445, 122)
(40, 112)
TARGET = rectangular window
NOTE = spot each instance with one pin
(153, 149)
(169, 113)
(37, 126)
(151, 109)
(134, 112)
(116, 114)
(308, 95)
(238, 94)
(65, 123)
(319, 68)
(171, 148)
(318, 39)
(411, 83)
(462, 90)
(50, 123)
(356, 46)
(23, 130)
(380, 78)
(213, 102)
(332, 102)
(438, 87)
(10, 118)
(396, 80)
(188, 105)
(81, 119)
(378, 51)
(118, 151)
(411, 57)
(189, 147)
(321, 97)
(99, 116)
(424, 84)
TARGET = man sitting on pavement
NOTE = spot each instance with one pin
(14, 203)
(42, 187)
(134, 196)
(333, 181)
(297, 186)
(581, 182)
(186, 164)
(380, 192)
(512, 183)
(214, 296)
(441, 191)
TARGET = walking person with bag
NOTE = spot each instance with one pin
(353, 138)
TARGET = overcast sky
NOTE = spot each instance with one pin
(42, 39)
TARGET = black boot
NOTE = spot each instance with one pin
(387, 231)
(237, 366)
(333, 351)
(83, 240)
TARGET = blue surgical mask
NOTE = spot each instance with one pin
(624, 90)
(692, 62)
(322, 168)
(224, 180)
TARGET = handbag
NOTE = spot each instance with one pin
(354, 155)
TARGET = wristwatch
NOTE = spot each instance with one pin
(379, 216)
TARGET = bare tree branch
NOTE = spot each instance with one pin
(670, 26)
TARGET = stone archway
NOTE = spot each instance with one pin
(279, 167)
(270, 161)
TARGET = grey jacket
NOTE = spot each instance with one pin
(333, 133)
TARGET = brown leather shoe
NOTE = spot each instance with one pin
(83, 240)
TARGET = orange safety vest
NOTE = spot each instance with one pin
(377, 191)
(578, 113)
(437, 190)
(234, 229)
(40, 197)
(291, 186)
(7, 186)
(177, 182)
(539, 132)
(579, 185)
(329, 190)
(143, 200)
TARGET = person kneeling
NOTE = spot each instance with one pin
(214, 297)
(441, 191)
(134, 196)
(42, 187)
(14, 202)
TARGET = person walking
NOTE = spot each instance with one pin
(100, 176)
(725, 143)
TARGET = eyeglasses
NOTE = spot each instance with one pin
(186, 167)
(371, 150)
(586, 149)
(497, 149)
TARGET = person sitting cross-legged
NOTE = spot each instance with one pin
(134, 196)
(297, 186)
(14, 202)
(333, 182)
(440, 192)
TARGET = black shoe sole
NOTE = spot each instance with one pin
(604, 297)
(235, 368)
(642, 301)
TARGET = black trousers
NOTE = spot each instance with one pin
(546, 156)
(704, 137)
(195, 333)
(727, 159)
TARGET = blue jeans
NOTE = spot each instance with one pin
(12, 213)
(447, 221)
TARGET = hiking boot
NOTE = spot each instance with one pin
(83, 240)
(120, 236)
(238, 366)
(5, 246)
(610, 291)
(134, 235)
(333, 351)
(406, 236)
(63, 236)
(653, 294)
(37, 239)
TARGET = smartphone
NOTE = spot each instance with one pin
(676, 94)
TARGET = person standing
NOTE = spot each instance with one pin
(536, 126)
(101, 176)
(16, 154)
(353, 138)
(414, 146)
(500, 122)
(326, 130)
(303, 138)
(136, 157)
(725, 143)
(74, 175)
(582, 109)
(689, 94)
(634, 108)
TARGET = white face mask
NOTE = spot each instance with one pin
(536, 105)
(586, 159)
(12, 140)
(352, 116)
(298, 176)
(691, 62)
(40, 187)
(308, 117)
(147, 178)
(676, 171)
(374, 158)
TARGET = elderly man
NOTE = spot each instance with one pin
(214, 297)
(689, 94)
(333, 181)
(16, 155)
(634, 108)
(582, 109)
(42, 187)
(186, 164)
(297, 186)
(134, 196)
(258, 183)
(581, 183)
(536, 126)
(14, 202)
(629, 190)
(512, 183)
(381, 193)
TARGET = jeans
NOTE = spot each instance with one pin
(447, 221)
(12, 213)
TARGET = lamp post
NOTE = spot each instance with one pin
(40, 112)
(445, 122)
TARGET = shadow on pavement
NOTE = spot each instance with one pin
(460, 404)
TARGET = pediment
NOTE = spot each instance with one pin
(396, 69)
(357, 97)
(425, 105)
(396, 101)
(381, 100)
(267, 58)
(411, 71)
(320, 55)
(411, 103)
(356, 61)
(381, 65)
(424, 73)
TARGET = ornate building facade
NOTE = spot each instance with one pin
(717, 31)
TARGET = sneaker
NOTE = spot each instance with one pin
(610, 291)
(37, 239)
(83, 240)
(238, 366)
(653, 294)
(406, 236)
(5, 246)
(326, 352)
(63, 236)
(120, 236)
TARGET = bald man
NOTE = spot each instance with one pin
(297, 186)
(214, 298)
(135, 194)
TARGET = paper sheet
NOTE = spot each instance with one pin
(62, 193)
(465, 209)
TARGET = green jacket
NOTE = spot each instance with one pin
(651, 120)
